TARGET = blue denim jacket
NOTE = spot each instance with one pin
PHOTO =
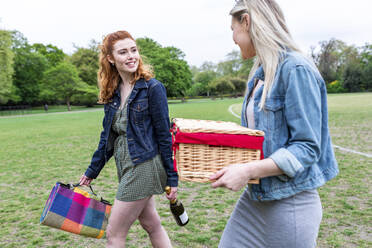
(295, 122)
(147, 131)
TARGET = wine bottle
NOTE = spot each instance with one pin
(177, 210)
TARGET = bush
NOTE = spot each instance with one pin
(367, 77)
(335, 87)
(195, 90)
(352, 78)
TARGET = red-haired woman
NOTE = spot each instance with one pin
(136, 132)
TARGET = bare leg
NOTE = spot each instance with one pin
(122, 216)
(150, 221)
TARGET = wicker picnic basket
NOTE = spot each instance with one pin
(202, 147)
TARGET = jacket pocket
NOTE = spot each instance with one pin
(274, 112)
(139, 110)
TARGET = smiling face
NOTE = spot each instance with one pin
(125, 56)
(242, 38)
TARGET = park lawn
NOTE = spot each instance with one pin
(38, 150)
(51, 109)
(351, 120)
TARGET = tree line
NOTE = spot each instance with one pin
(35, 74)
(38, 74)
(345, 68)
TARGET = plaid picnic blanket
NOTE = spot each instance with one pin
(74, 210)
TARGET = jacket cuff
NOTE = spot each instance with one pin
(287, 162)
(90, 173)
(173, 181)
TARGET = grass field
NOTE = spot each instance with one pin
(40, 110)
(38, 150)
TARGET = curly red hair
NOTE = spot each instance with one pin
(108, 75)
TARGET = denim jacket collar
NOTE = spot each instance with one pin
(259, 74)
(140, 84)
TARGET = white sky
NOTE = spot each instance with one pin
(200, 28)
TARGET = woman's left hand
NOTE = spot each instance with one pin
(233, 177)
(173, 194)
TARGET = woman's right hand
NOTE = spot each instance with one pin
(84, 180)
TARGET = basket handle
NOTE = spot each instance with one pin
(254, 181)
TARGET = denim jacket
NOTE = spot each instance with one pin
(147, 131)
(295, 121)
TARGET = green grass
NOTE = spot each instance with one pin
(351, 120)
(38, 150)
(40, 110)
(205, 109)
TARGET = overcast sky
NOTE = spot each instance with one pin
(200, 28)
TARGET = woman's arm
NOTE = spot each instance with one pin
(303, 115)
(98, 160)
(160, 121)
(236, 176)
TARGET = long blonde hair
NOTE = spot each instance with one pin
(269, 34)
(108, 75)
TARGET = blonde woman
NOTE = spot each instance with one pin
(286, 98)
(136, 132)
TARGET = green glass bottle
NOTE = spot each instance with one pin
(177, 210)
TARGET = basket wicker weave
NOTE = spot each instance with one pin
(197, 162)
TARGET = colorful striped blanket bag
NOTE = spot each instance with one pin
(74, 210)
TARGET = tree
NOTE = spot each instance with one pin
(6, 66)
(349, 56)
(53, 54)
(169, 66)
(88, 95)
(366, 53)
(86, 60)
(222, 85)
(18, 40)
(353, 78)
(328, 59)
(366, 57)
(208, 66)
(235, 66)
(194, 70)
(228, 76)
(245, 68)
(196, 89)
(30, 62)
(28, 73)
(62, 82)
(239, 85)
(203, 80)
(231, 65)
(367, 77)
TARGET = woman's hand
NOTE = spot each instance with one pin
(236, 176)
(173, 194)
(84, 180)
(233, 177)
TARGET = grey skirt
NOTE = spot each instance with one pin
(292, 222)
